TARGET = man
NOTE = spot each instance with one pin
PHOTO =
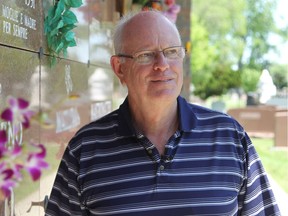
(157, 155)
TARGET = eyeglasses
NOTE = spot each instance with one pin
(147, 57)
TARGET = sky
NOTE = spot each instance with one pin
(281, 17)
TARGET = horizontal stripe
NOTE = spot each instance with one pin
(210, 167)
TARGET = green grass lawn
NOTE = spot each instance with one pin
(275, 161)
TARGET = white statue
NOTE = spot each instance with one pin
(266, 87)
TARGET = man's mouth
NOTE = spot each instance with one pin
(162, 80)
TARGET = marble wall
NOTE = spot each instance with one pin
(77, 90)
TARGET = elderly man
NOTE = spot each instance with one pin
(157, 154)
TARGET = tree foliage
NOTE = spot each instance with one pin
(218, 82)
(249, 79)
(279, 75)
(230, 35)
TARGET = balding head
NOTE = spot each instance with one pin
(142, 24)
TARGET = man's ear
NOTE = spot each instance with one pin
(117, 68)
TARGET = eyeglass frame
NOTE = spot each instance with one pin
(134, 57)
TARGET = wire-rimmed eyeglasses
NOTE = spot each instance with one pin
(147, 56)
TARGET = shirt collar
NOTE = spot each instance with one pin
(125, 121)
(185, 112)
(186, 115)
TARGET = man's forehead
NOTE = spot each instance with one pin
(148, 24)
(149, 31)
(148, 18)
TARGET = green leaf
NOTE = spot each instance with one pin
(67, 28)
(60, 24)
(73, 3)
(47, 27)
(65, 53)
(69, 36)
(54, 32)
(51, 12)
(59, 47)
(60, 7)
(69, 17)
(72, 43)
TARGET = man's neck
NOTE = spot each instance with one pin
(158, 124)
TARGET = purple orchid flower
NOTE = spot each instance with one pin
(6, 180)
(3, 138)
(17, 167)
(18, 111)
(36, 162)
(13, 155)
(3, 141)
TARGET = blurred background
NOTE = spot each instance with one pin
(236, 63)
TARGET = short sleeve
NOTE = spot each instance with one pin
(65, 198)
(256, 196)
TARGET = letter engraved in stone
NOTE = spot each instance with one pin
(30, 3)
(20, 32)
(6, 27)
(17, 23)
(10, 13)
(29, 22)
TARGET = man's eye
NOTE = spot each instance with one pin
(171, 52)
(145, 55)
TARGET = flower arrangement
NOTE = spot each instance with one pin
(172, 10)
(58, 26)
(168, 7)
(17, 157)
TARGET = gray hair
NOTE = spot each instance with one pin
(120, 26)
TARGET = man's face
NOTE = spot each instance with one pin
(161, 79)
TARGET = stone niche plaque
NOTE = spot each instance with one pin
(64, 100)
(17, 78)
(80, 52)
(101, 24)
(100, 83)
(21, 23)
(16, 74)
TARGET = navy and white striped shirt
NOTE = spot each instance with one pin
(210, 167)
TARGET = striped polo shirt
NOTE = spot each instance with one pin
(209, 167)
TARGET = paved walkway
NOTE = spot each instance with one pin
(281, 197)
(21, 208)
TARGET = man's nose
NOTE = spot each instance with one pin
(161, 62)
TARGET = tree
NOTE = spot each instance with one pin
(218, 82)
(249, 79)
(260, 23)
(211, 75)
(203, 53)
(237, 32)
(225, 23)
(279, 75)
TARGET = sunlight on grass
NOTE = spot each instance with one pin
(275, 161)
